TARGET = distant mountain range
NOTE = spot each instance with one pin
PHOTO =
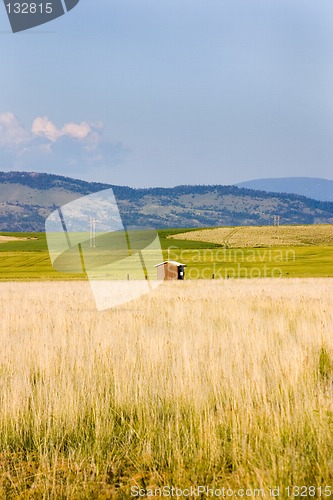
(26, 199)
(311, 187)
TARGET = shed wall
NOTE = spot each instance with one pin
(167, 272)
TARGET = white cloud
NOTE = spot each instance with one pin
(12, 132)
(78, 131)
(43, 127)
(45, 146)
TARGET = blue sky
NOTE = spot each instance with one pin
(167, 92)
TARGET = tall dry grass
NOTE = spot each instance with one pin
(215, 383)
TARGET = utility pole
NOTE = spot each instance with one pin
(92, 236)
(277, 224)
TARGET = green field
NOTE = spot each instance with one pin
(28, 259)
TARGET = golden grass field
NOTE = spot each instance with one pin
(222, 383)
(252, 236)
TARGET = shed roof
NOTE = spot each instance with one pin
(174, 262)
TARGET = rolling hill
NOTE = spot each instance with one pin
(26, 199)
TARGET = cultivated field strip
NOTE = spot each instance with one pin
(254, 236)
